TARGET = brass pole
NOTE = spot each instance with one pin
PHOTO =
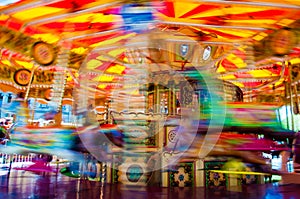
(291, 94)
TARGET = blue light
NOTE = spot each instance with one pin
(136, 18)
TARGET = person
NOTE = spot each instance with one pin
(150, 110)
(296, 152)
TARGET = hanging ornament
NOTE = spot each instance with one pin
(43, 53)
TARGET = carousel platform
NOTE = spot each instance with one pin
(25, 184)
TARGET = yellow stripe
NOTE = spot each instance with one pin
(3, 17)
(285, 22)
(243, 9)
(47, 37)
(221, 69)
(239, 84)
(236, 60)
(230, 10)
(104, 78)
(260, 36)
(79, 50)
(103, 58)
(253, 21)
(27, 65)
(92, 64)
(226, 77)
(102, 86)
(117, 69)
(36, 12)
(93, 18)
(236, 32)
(279, 82)
(6, 62)
(240, 172)
(182, 8)
(261, 73)
(114, 40)
(117, 52)
(295, 61)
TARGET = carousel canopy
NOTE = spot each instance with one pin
(253, 42)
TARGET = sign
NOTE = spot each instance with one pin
(206, 53)
(22, 77)
(134, 173)
(282, 41)
(184, 49)
(43, 53)
(183, 52)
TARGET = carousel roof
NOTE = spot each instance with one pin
(262, 35)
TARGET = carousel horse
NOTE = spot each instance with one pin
(231, 145)
(6, 126)
(94, 141)
(44, 142)
(4, 136)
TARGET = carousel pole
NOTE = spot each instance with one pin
(35, 67)
(290, 88)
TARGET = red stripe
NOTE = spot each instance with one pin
(253, 84)
(71, 27)
(71, 4)
(266, 14)
(239, 53)
(228, 65)
(242, 75)
(90, 41)
(168, 9)
(222, 34)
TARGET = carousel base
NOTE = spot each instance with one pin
(25, 184)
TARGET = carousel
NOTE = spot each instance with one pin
(168, 93)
